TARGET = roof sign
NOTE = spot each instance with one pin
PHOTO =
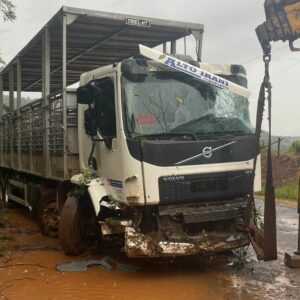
(198, 73)
(137, 22)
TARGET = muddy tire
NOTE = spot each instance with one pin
(78, 226)
(47, 214)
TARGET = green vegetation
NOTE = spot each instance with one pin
(240, 260)
(257, 218)
(287, 191)
(8, 10)
(295, 147)
(85, 179)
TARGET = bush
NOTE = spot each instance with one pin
(295, 147)
(288, 191)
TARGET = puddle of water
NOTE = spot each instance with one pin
(22, 232)
(188, 280)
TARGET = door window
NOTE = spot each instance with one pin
(105, 107)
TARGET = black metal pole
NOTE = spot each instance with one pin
(298, 249)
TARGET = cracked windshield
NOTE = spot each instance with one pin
(168, 103)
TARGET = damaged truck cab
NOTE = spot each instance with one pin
(167, 144)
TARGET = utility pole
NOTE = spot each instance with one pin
(278, 145)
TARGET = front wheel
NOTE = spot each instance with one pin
(78, 225)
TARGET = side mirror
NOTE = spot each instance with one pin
(86, 94)
(90, 125)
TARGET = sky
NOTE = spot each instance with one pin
(229, 38)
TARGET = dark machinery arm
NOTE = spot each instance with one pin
(282, 23)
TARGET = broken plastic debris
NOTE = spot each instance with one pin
(120, 266)
(105, 263)
(81, 266)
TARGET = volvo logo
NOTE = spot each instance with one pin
(173, 178)
(207, 152)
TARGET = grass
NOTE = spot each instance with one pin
(288, 191)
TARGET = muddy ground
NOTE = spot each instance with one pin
(28, 261)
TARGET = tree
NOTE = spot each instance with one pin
(8, 9)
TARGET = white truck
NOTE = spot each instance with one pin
(155, 148)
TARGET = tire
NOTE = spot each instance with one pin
(78, 226)
(47, 214)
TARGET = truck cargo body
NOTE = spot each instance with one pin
(29, 157)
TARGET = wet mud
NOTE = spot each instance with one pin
(28, 271)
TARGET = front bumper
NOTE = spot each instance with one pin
(141, 245)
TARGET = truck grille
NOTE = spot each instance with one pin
(204, 187)
(208, 212)
(226, 211)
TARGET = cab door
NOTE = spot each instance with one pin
(107, 152)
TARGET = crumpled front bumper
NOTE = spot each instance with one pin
(141, 245)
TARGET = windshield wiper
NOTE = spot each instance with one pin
(167, 135)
